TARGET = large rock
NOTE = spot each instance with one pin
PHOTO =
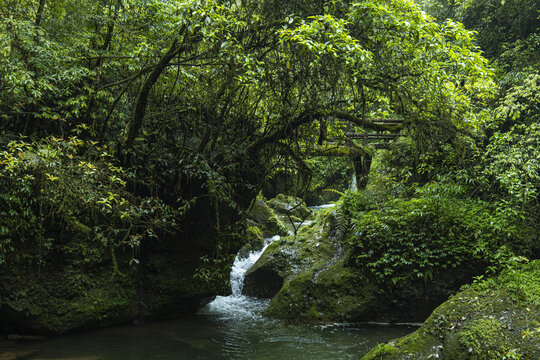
(262, 216)
(289, 206)
(82, 282)
(254, 241)
(496, 319)
(283, 260)
(321, 284)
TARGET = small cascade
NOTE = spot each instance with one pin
(353, 186)
(236, 305)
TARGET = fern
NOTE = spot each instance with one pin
(334, 191)
(343, 221)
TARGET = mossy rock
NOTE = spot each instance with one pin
(289, 205)
(254, 241)
(309, 280)
(496, 319)
(265, 278)
(320, 283)
(82, 283)
(334, 296)
(265, 219)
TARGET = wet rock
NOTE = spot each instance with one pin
(263, 283)
(254, 241)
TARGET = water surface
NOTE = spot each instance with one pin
(230, 327)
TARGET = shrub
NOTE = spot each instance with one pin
(404, 240)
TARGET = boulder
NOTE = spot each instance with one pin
(321, 284)
(262, 216)
(254, 241)
(495, 319)
(289, 206)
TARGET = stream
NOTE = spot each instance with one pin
(230, 327)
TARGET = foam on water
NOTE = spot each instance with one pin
(236, 305)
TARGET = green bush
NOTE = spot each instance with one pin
(50, 192)
(404, 240)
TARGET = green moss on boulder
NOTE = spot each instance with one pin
(262, 216)
(311, 279)
(254, 241)
(496, 319)
(289, 205)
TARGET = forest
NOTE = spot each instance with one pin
(144, 143)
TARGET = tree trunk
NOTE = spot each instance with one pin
(362, 166)
(99, 61)
(39, 14)
(136, 121)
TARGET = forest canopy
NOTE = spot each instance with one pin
(138, 118)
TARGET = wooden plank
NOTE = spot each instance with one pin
(373, 136)
(386, 121)
(370, 136)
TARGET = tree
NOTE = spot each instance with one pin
(201, 97)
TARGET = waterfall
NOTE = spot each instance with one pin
(352, 185)
(236, 305)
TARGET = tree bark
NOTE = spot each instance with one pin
(39, 14)
(99, 61)
(362, 167)
(136, 121)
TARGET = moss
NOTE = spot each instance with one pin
(387, 350)
(496, 319)
(254, 241)
(254, 233)
(483, 339)
(318, 286)
(79, 227)
(263, 217)
(292, 303)
(289, 205)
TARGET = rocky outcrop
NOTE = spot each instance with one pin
(262, 216)
(496, 319)
(81, 283)
(321, 284)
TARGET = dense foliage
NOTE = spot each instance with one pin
(474, 203)
(195, 99)
(50, 187)
(404, 240)
(159, 122)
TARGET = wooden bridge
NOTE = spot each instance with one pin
(383, 137)
(382, 131)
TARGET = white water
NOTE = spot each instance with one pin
(236, 305)
(353, 186)
(323, 206)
